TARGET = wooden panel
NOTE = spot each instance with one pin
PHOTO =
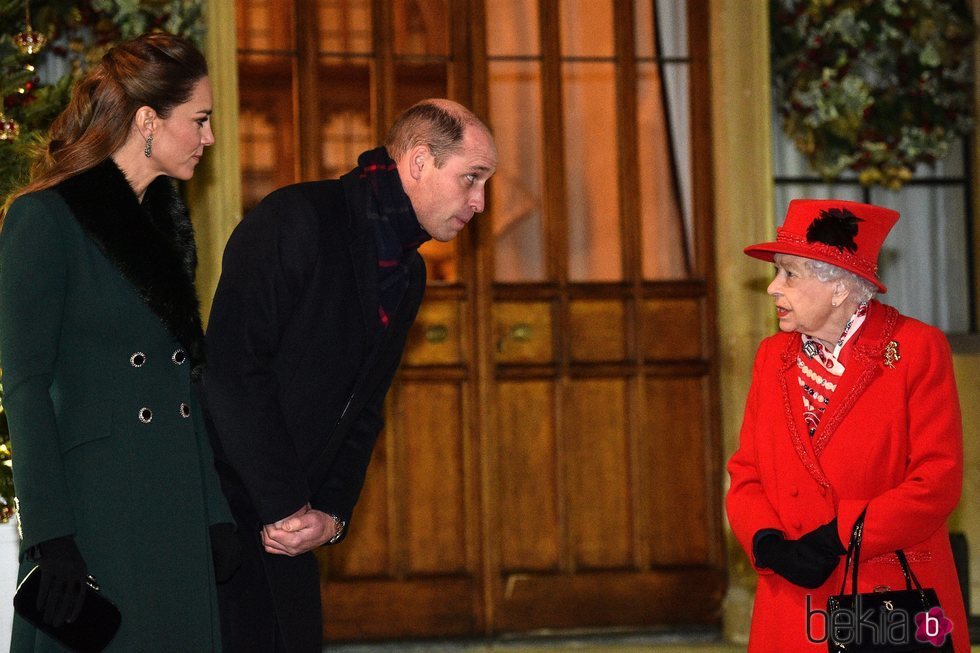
(597, 473)
(671, 329)
(436, 337)
(382, 609)
(611, 599)
(432, 477)
(597, 330)
(522, 332)
(527, 505)
(679, 519)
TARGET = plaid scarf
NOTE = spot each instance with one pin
(396, 229)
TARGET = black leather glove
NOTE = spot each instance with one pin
(226, 551)
(797, 562)
(61, 592)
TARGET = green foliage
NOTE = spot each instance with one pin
(36, 87)
(874, 86)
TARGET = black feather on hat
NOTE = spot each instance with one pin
(835, 227)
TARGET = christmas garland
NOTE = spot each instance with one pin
(873, 86)
(45, 45)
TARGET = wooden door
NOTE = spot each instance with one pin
(550, 458)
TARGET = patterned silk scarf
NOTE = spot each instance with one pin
(820, 370)
(396, 229)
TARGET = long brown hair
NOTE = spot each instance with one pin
(157, 70)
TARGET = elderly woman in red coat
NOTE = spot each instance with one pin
(853, 409)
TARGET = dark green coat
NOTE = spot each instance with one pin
(99, 340)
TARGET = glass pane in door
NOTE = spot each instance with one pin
(586, 28)
(344, 26)
(346, 130)
(515, 190)
(264, 25)
(421, 28)
(265, 125)
(591, 171)
(343, 136)
(661, 212)
(512, 28)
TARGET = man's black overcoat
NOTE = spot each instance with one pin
(298, 369)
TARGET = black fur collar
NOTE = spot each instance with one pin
(151, 243)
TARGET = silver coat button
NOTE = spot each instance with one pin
(185, 410)
(145, 415)
(138, 359)
(179, 357)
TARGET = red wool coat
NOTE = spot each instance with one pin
(890, 441)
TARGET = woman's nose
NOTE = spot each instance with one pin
(774, 287)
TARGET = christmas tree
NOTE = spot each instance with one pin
(45, 45)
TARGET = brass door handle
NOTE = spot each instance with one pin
(436, 333)
(521, 332)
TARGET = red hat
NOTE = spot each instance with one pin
(846, 234)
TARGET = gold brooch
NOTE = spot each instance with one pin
(891, 354)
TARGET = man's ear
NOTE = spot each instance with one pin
(418, 158)
(145, 120)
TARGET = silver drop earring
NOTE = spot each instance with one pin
(147, 150)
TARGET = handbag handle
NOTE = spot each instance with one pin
(854, 552)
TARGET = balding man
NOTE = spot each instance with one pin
(319, 286)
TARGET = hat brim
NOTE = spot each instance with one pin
(766, 252)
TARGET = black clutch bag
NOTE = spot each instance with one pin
(885, 621)
(91, 632)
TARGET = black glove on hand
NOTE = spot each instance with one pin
(795, 561)
(61, 592)
(824, 539)
(226, 551)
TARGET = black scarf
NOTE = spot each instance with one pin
(152, 245)
(397, 232)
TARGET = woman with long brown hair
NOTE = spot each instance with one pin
(101, 348)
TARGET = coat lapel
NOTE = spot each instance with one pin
(364, 258)
(793, 406)
(365, 267)
(151, 244)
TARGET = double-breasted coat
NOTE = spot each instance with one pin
(298, 370)
(890, 442)
(99, 335)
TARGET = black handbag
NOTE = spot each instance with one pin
(886, 620)
(91, 632)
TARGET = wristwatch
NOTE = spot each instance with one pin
(341, 527)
